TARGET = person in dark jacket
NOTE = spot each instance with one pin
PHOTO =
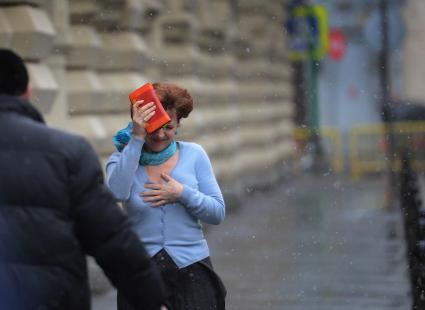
(55, 209)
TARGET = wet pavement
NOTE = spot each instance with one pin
(312, 243)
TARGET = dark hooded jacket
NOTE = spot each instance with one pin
(55, 209)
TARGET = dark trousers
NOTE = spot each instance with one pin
(195, 287)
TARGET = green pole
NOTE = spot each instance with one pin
(314, 100)
(313, 104)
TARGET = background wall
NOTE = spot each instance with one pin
(85, 56)
(413, 58)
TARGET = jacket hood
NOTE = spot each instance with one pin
(19, 106)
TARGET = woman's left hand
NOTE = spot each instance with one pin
(163, 193)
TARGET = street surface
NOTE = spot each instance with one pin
(311, 243)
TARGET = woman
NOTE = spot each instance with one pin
(168, 188)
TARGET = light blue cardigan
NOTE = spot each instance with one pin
(173, 227)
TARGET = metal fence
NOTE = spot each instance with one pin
(367, 147)
(331, 141)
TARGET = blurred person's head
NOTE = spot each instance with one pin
(14, 78)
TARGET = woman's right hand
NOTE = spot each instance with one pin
(141, 115)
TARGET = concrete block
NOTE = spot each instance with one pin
(254, 69)
(5, 31)
(90, 92)
(413, 66)
(133, 16)
(58, 12)
(212, 40)
(108, 15)
(254, 27)
(256, 135)
(276, 11)
(110, 124)
(243, 48)
(58, 114)
(82, 11)
(188, 128)
(209, 93)
(413, 12)
(225, 169)
(251, 7)
(113, 4)
(251, 161)
(219, 144)
(121, 51)
(98, 129)
(217, 119)
(215, 13)
(414, 71)
(175, 30)
(117, 87)
(176, 62)
(265, 92)
(125, 14)
(85, 48)
(43, 85)
(216, 67)
(278, 71)
(227, 92)
(153, 9)
(179, 6)
(85, 92)
(173, 44)
(32, 31)
(23, 2)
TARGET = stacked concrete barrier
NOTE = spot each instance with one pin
(264, 91)
(218, 117)
(413, 66)
(85, 56)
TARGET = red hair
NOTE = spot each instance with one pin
(174, 97)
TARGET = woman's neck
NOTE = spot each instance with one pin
(149, 149)
(157, 158)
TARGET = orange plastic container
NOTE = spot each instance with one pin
(147, 94)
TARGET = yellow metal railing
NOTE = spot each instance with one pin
(330, 138)
(369, 147)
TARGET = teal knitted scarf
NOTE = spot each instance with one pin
(122, 137)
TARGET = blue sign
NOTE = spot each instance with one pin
(308, 32)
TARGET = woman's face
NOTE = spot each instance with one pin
(160, 139)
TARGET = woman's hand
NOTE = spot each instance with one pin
(160, 194)
(142, 114)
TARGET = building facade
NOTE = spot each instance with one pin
(86, 56)
(413, 72)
